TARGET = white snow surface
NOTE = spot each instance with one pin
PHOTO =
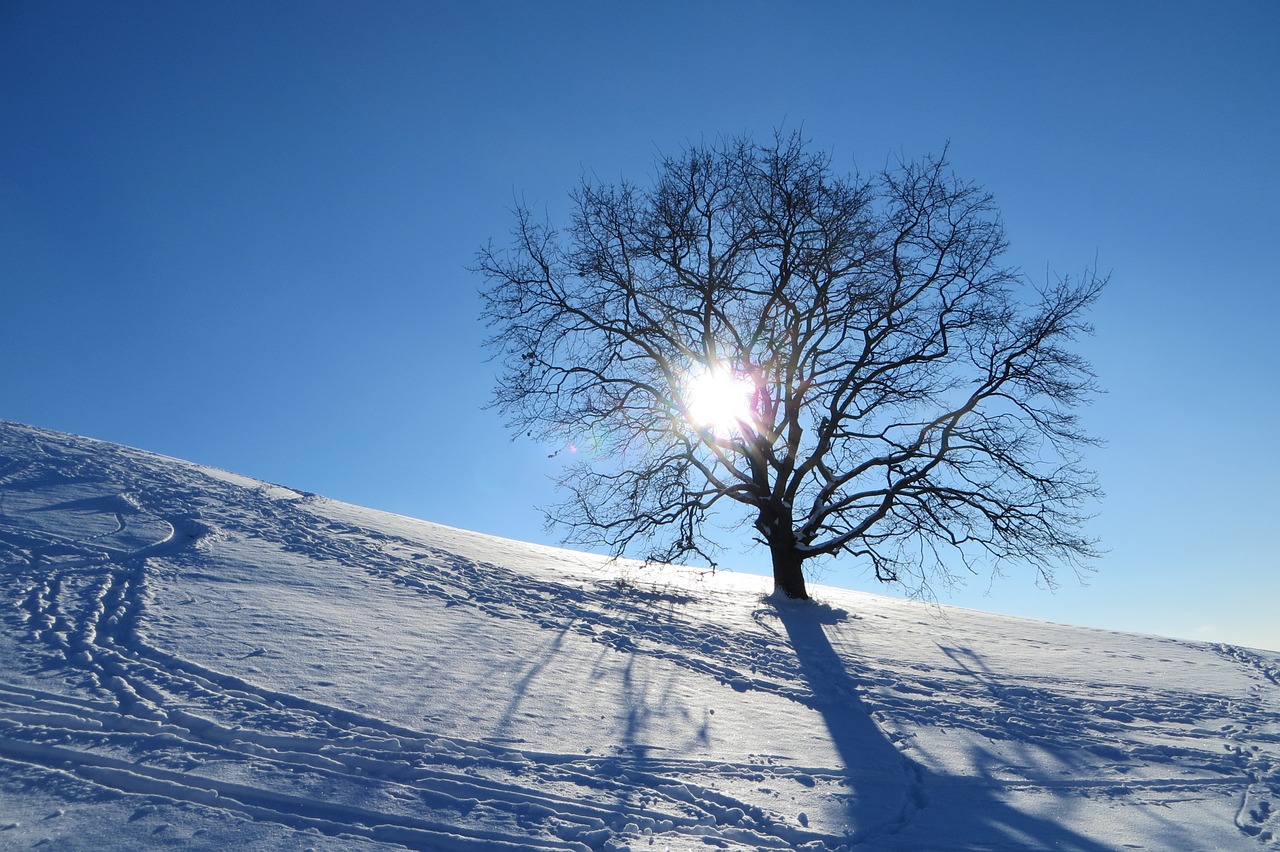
(193, 659)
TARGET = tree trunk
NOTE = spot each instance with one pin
(787, 573)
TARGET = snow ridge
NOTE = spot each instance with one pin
(149, 678)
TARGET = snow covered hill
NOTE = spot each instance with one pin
(192, 659)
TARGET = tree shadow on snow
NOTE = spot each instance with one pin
(889, 793)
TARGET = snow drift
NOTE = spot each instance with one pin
(194, 659)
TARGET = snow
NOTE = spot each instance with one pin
(194, 659)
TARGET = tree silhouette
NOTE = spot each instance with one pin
(903, 397)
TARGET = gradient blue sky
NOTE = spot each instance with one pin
(237, 233)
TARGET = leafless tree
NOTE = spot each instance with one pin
(911, 400)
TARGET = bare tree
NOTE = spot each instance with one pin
(903, 397)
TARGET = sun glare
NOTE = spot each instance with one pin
(720, 401)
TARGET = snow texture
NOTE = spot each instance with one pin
(193, 659)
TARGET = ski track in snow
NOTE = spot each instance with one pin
(82, 601)
(140, 721)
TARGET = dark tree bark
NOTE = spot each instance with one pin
(788, 573)
(912, 401)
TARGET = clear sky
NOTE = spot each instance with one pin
(237, 233)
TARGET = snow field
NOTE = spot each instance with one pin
(192, 658)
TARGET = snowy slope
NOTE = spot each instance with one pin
(197, 660)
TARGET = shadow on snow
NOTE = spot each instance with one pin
(902, 791)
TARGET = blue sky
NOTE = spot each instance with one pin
(237, 233)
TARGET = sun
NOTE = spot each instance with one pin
(720, 400)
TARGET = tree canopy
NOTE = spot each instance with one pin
(844, 359)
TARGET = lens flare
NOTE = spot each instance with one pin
(720, 400)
